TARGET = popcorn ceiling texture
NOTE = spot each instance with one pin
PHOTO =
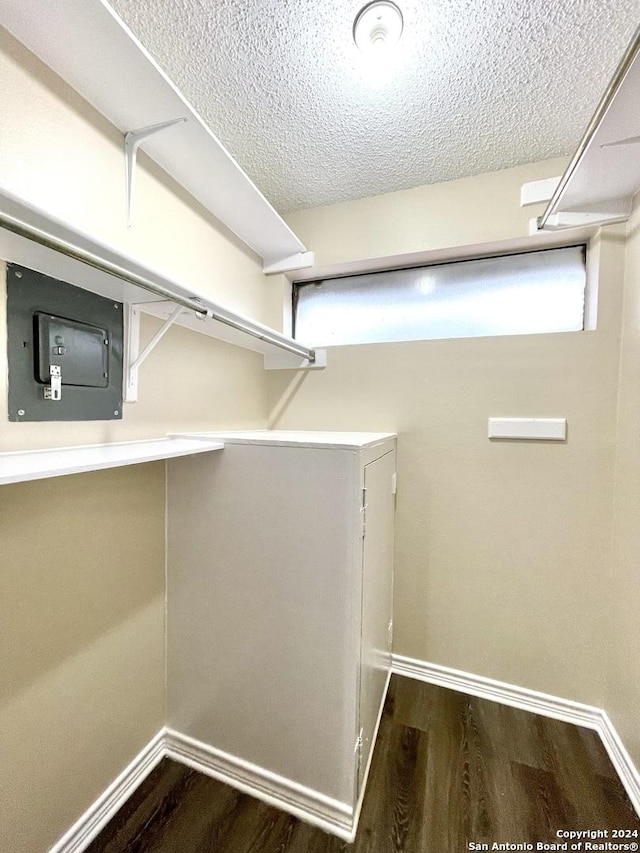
(476, 85)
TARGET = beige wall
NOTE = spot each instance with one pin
(502, 547)
(623, 700)
(480, 209)
(82, 558)
(82, 652)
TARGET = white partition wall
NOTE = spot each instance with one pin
(278, 628)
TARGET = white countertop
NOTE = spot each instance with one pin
(304, 438)
(22, 465)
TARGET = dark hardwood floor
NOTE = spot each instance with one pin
(448, 770)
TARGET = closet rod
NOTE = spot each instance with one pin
(200, 306)
(605, 102)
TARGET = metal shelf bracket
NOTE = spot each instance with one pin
(132, 141)
(134, 358)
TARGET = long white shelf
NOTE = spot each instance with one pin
(33, 238)
(17, 467)
(603, 176)
(90, 47)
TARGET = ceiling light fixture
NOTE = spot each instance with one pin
(378, 26)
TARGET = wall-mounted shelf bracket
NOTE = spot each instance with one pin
(134, 358)
(132, 141)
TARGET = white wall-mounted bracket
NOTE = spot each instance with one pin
(132, 141)
(132, 357)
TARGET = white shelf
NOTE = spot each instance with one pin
(604, 175)
(39, 464)
(44, 250)
(88, 45)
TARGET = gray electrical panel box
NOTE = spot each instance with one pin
(64, 350)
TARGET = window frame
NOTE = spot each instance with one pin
(587, 239)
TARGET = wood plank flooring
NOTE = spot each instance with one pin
(448, 770)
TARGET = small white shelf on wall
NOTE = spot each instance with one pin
(603, 176)
(90, 47)
(20, 466)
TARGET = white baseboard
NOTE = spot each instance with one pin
(305, 803)
(499, 691)
(310, 806)
(104, 808)
(534, 701)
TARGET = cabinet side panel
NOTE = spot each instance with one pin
(377, 597)
(261, 609)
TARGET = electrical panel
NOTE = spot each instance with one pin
(64, 350)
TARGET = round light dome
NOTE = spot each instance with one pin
(378, 26)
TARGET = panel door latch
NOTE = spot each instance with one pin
(54, 391)
(358, 750)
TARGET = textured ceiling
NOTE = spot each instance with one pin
(476, 85)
